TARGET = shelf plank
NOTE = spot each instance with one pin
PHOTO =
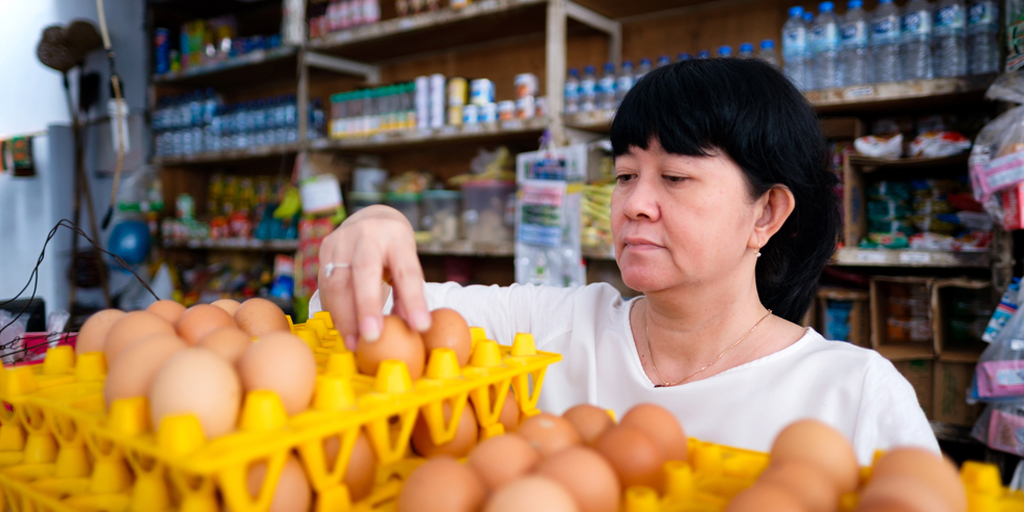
(855, 257)
(411, 139)
(467, 248)
(236, 244)
(871, 164)
(598, 253)
(907, 352)
(243, 70)
(480, 21)
(227, 156)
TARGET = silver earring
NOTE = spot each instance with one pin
(759, 254)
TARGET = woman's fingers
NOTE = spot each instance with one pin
(407, 287)
(367, 270)
(336, 295)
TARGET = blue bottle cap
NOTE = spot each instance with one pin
(724, 51)
(767, 44)
(746, 48)
(826, 7)
(664, 59)
(684, 56)
(808, 16)
(796, 11)
(589, 70)
(703, 54)
(609, 67)
(645, 62)
(574, 72)
(854, 4)
(627, 64)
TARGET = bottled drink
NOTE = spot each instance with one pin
(746, 51)
(884, 39)
(684, 56)
(572, 91)
(724, 52)
(916, 40)
(645, 67)
(982, 33)
(704, 54)
(625, 81)
(606, 88)
(794, 48)
(588, 90)
(664, 60)
(950, 46)
(767, 52)
(210, 103)
(825, 47)
(854, 54)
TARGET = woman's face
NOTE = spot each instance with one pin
(680, 220)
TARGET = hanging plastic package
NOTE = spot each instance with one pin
(997, 159)
(1000, 370)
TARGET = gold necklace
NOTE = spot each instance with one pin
(666, 384)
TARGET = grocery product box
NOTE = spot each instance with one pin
(961, 310)
(952, 381)
(901, 317)
(843, 315)
(921, 374)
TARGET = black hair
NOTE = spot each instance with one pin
(751, 112)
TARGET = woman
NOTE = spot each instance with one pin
(723, 217)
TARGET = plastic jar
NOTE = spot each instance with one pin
(441, 214)
(408, 204)
(368, 179)
(488, 210)
(359, 200)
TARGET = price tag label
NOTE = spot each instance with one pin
(859, 92)
(914, 257)
(870, 257)
(406, 24)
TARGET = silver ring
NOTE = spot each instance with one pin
(329, 268)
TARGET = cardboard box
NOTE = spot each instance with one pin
(901, 317)
(950, 395)
(961, 308)
(921, 374)
(859, 327)
(842, 128)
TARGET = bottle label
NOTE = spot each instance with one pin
(587, 87)
(884, 30)
(981, 13)
(855, 34)
(794, 40)
(917, 23)
(624, 84)
(572, 90)
(825, 37)
(606, 85)
(950, 17)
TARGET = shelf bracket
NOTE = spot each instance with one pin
(607, 25)
(339, 65)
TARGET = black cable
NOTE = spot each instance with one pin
(34, 276)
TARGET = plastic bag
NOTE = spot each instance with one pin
(880, 147)
(939, 144)
(1000, 372)
(997, 159)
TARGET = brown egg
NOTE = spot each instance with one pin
(805, 482)
(509, 416)
(131, 327)
(292, 492)
(169, 310)
(590, 421)
(197, 381)
(502, 459)
(397, 341)
(928, 467)
(132, 373)
(200, 320)
(449, 330)
(361, 473)
(815, 442)
(548, 433)
(764, 497)
(465, 434)
(587, 476)
(227, 342)
(284, 364)
(901, 493)
(92, 337)
(260, 316)
(636, 457)
(661, 425)
(441, 485)
(228, 305)
(532, 493)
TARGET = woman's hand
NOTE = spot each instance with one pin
(374, 242)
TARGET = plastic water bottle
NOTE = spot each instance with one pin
(625, 81)
(704, 54)
(572, 91)
(794, 48)
(588, 90)
(606, 88)
(684, 56)
(664, 60)
(854, 54)
(724, 52)
(982, 33)
(645, 67)
(767, 52)
(950, 46)
(916, 40)
(825, 47)
(746, 51)
(884, 40)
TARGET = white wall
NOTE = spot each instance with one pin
(32, 98)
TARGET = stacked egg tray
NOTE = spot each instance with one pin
(62, 450)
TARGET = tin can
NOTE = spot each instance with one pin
(438, 86)
(506, 110)
(470, 114)
(526, 85)
(162, 43)
(526, 107)
(542, 106)
(457, 91)
(185, 207)
(455, 115)
(481, 91)
(489, 113)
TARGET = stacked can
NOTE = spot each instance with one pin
(457, 91)
(526, 96)
(481, 107)
(422, 102)
(436, 102)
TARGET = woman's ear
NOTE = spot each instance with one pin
(776, 206)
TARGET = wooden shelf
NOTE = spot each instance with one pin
(227, 156)
(412, 139)
(871, 164)
(236, 244)
(594, 120)
(855, 257)
(244, 70)
(598, 253)
(910, 94)
(467, 248)
(907, 352)
(481, 21)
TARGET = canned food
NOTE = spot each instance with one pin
(526, 85)
(457, 92)
(489, 113)
(506, 110)
(481, 91)
(470, 114)
(526, 108)
(455, 115)
(542, 106)
(438, 85)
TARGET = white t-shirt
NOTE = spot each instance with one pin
(853, 389)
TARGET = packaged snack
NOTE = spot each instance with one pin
(938, 144)
(880, 146)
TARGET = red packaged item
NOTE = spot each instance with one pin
(240, 225)
(1011, 201)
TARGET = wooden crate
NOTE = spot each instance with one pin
(946, 346)
(881, 289)
(860, 327)
(950, 394)
(921, 374)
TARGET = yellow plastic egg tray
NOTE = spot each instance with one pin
(61, 450)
